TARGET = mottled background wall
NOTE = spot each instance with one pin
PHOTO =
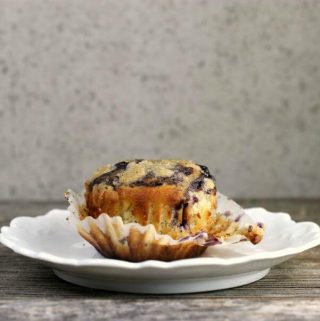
(231, 84)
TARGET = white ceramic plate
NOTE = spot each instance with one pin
(53, 241)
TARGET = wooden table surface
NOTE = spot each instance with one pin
(291, 291)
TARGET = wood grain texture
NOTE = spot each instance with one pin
(30, 291)
(165, 309)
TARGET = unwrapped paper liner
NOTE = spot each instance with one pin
(134, 242)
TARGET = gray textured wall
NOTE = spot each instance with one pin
(231, 84)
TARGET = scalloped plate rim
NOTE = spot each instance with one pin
(203, 261)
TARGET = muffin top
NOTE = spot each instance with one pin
(185, 175)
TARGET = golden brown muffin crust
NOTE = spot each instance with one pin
(176, 196)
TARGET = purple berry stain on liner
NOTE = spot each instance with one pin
(227, 214)
(199, 235)
(184, 239)
(238, 218)
(212, 241)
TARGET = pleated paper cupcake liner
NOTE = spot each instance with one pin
(134, 242)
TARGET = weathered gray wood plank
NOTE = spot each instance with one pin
(165, 309)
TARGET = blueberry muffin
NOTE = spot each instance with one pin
(178, 197)
(156, 210)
